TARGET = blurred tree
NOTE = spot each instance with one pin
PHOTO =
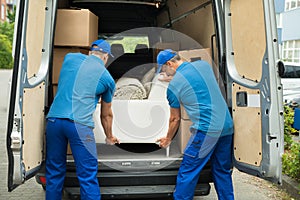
(11, 15)
(6, 40)
(6, 61)
(7, 29)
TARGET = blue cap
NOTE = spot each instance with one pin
(164, 56)
(102, 46)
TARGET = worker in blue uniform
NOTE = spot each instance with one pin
(194, 87)
(82, 82)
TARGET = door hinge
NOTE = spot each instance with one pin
(15, 140)
(16, 135)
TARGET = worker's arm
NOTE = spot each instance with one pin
(106, 117)
(174, 122)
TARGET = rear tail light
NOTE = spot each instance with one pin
(42, 180)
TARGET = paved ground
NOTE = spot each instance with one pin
(246, 187)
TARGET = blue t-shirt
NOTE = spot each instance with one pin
(194, 86)
(82, 81)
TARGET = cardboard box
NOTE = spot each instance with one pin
(201, 54)
(183, 134)
(54, 89)
(197, 54)
(183, 113)
(58, 58)
(69, 151)
(75, 28)
(167, 45)
(164, 45)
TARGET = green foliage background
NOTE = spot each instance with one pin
(6, 40)
(291, 156)
(6, 61)
(7, 29)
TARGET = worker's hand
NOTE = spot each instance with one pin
(112, 140)
(163, 76)
(163, 142)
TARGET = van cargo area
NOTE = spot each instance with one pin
(137, 31)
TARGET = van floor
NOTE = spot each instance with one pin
(113, 157)
(140, 151)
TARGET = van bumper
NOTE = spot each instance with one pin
(137, 192)
(132, 185)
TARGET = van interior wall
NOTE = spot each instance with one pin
(198, 28)
(115, 18)
(118, 17)
(63, 4)
(199, 25)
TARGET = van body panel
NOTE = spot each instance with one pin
(248, 38)
(34, 124)
(254, 86)
(26, 118)
(250, 137)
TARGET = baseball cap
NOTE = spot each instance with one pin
(164, 56)
(103, 46)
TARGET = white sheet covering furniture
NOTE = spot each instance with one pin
(137, 121)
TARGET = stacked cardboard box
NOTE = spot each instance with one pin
(164, 45)
(185, 122)
(201, 54)
(75, 28)
(197, 54)
(58, 58)
(183, 134)
(167, 45)
(74, 32)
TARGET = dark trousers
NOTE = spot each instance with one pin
(199, 150)
(83, 146)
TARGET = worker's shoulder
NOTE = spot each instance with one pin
(202, 66)
(200, 63)
(76, 55)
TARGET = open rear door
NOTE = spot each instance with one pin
(26, 118)
(254, 87)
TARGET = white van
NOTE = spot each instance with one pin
(239, 40)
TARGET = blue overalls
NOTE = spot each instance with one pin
(203, 148)
(82, 142)
(83, 79)
(195, 88)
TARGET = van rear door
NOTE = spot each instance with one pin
(254, 87)
(26, 117)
